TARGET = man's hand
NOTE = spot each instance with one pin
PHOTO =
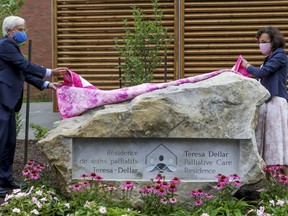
(53, 85)
(59, 71)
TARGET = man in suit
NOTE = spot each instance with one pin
(14, 70)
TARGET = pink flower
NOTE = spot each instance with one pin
(277, 167)
(159, 176)
(146, 190)
(76, 187)
(93, 175)
(283, 179)
(219, 176)
(41, 166)
(127, 185)
(165, 184)
(208, 196)
(34, 175)
(25, 172)
(172, 200)
(36, 168)
(237, 183)
(198, 202)
(30, 163)
(176, 180)
(110, 188)
(200, 192)
(158, 182)
(163, 201)
(85, 184)
(157, 187)
(161, 192)
(172, 187)
(98, 178)
(234, 176)
(196, 193)
(218, 187)
(84, 176)
(223, 180)
(149, 188)
(273, 168)
(143, 191)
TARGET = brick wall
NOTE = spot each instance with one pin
(38, 16)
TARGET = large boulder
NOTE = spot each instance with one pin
(222, 107)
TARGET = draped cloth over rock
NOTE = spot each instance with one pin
(77, 95)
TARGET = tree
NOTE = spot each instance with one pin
(144, 46)
(8, 8)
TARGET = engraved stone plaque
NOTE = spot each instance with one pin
(143, 158)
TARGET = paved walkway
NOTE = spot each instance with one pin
(41, 114)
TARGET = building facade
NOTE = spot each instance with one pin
(208, 35)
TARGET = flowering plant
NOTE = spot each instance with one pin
(34, 174)
(276, 185)
(35, 201)
(274, 200)
(87, 190)
(278, 207)
(37, 197)
(93, 208)
(159, 197)
(222, 201)
(93, 197)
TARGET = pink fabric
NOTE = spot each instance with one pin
(239, 68)
(77, 95)
(73, 79)
(272, 130)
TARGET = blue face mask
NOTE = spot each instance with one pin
(20, 37)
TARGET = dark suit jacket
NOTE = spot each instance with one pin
(273, 73)
(14, 69)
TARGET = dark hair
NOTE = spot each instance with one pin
(277, 39)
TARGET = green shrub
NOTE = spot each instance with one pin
(8, 8)
(39, 131)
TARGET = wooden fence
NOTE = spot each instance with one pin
(208, 35)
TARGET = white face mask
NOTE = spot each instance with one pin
(265, 48)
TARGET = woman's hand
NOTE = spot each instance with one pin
(245, 63)
(59, 71)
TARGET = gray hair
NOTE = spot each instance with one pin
(11, 22)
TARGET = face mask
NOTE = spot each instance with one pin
(20, 37)
(265, 48)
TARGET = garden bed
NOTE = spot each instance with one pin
(33, 153)
(91, 196)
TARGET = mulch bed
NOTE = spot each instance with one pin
(33, 153)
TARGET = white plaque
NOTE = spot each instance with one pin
(143, 158)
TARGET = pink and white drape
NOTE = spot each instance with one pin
(77, 95)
